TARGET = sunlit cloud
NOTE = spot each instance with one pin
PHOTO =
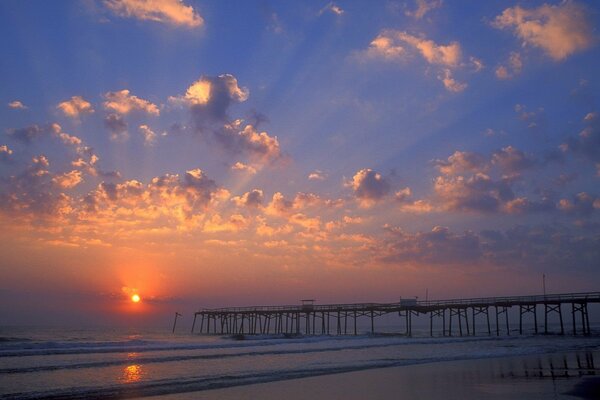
(394, 45)
(172, 12)
(75, 107)
(5, 153)
(68, 180)
(122, 102)
(253, 198)
(148, 135)
(559, 30)
(240, 166)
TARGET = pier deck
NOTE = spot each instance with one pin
(325, 319)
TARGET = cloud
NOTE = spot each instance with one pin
(332, 8)
(27, 134)
(535, 119)
(451, 84)
(369, 186)
(209, 98)
(512, 67)
(17, 105)
(582, 204)
(253, 198)
(148, 135)
(587, 142)
(478, 193)
(317, 175)
(68, 180)
(234, 223)
(240, 166)
(512, 160)
(75, 107)
(167, 196)
(122, 102)
(439, 246)
(5, 153)
(423, 7)
(542, 248)
(32, 193)
(393, 45)
(171, 12)
(559, 30)
(460, 162)
(260, 146)
(116, 126)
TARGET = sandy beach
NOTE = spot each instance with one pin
(547, 376)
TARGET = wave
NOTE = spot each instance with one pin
(549, 345)
(196, 384)
(141, 346)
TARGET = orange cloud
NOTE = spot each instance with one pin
(559, 30)
(172, 12)
(75, 107)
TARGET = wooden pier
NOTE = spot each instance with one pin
(458, 316)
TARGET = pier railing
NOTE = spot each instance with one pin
(410, 303)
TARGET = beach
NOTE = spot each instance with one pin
(109, 364)
(499, 378)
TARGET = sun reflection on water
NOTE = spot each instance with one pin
(132, 373)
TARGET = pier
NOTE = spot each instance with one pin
(457, 316)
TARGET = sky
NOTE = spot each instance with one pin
(206, 153)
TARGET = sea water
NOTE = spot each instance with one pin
(55, 363)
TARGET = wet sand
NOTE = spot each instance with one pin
(555, 376)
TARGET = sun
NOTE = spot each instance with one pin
(135, 298)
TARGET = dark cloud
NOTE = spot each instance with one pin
(476, 193)
(209, 100)
(542, 248)
(253, 198)
(27, 134)
(587, 142)
(116, 126)
(512, 160)
(439, 246)
(582, 204)
(32, 192)
(369, 186)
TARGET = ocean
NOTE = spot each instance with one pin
(56, 363)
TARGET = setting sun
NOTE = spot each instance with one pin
(135, 298)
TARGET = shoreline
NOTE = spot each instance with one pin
(562, 375)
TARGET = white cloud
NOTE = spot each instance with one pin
(317, 175)
(17, 105)
(559, 30)
(172, 12)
